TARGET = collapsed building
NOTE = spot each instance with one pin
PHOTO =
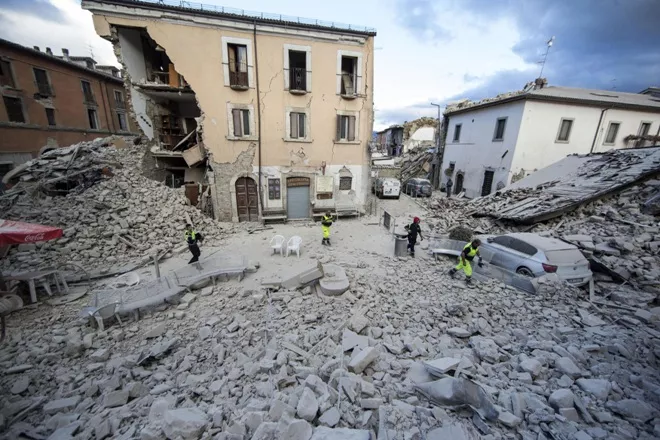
(262, 129)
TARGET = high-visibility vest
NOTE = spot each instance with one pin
(191, 234)
(470, 252)
(326, 221)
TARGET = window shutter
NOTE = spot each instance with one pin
(236, 116)
(242, 58)
(301, 124)
(246, 122)
(338, 137)
(351, 128)
(293, 117)
(231, 51)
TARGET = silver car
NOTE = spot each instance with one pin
(533, 255)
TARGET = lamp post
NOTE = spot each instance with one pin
(436, 173)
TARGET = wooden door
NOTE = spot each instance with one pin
(247, 200)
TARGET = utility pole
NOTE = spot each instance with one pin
(437, 173)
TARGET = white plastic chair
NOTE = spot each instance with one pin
(293, 245)
(277, 243)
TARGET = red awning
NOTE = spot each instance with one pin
(12, 232)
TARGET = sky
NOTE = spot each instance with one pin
(430, 51)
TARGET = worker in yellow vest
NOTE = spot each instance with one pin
(326, 222)
(192, 237)
(470, 251)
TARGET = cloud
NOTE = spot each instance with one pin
(38, 8)
(419, 17)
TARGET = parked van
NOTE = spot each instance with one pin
(387, 187)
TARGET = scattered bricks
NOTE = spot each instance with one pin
(561, 398)
(308, 405)
(567, 366)
(61, 405)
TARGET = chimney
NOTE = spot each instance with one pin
(48, 51)
(36, 48)
(65, 53)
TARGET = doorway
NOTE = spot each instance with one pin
(487, 187)
(297, 198)
(247, 200)
(458, 186)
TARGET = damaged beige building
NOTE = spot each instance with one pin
(273, 114)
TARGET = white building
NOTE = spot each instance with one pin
(495, 142)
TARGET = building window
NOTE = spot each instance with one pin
(121, 118)
(349, 75)
(297, 70)
(500, 126)
(241, 122)
(298, 129)
(6, 75)
(346, 128)
(42, 83)
(644, 129)
(88, 94)
(457, 132)
(14, 108)
(345, 183)
(119, 100)
(93, 119)
(487, 186)
(274, 189)
(238, 67)
(50, 116)
(565, 127)
(612, 131)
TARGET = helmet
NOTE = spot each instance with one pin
(416, 220)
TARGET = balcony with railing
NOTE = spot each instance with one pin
(238, 76)
(44, 88)
(88, 98)
(298, 80)
(348, 85)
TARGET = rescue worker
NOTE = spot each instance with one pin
(414, 229)
(469, 252)
(450, 183)
(326, 222)
(192, 237)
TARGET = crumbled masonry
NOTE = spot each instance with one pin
(406, 353)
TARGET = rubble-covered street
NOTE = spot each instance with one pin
(406, 352)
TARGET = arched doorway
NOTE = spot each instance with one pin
(458, 187)
(297, 198)
(247, 200)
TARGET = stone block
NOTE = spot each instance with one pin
(187, 423)
(561, 398)
(61, 405)
(363, 359)
(115, 398)
(334, 282)
(599, 388)
(308, 405)
(325, 433)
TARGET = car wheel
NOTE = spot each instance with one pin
(525, 272)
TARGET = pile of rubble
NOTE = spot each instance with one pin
(416, 163)
(394, 358)
(110, 213)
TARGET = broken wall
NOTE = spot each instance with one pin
(477, 152)
(187, 44)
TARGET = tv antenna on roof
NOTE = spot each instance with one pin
(549, 44)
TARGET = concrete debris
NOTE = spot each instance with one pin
(111, 214)
(402, 354)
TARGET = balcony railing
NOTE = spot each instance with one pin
(238, 79)
(44, 89)
(348, 84)
(88, 98)
(298, 78)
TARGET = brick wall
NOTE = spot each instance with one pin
(68, 103)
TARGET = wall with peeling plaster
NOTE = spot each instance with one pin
(196, 50)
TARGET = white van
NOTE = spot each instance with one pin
(388, 187)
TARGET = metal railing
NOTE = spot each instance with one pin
(238, 78)
(88, 98)
(259, 15)
(44, 88)
(298, 78)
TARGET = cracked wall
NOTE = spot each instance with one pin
(197, 52)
